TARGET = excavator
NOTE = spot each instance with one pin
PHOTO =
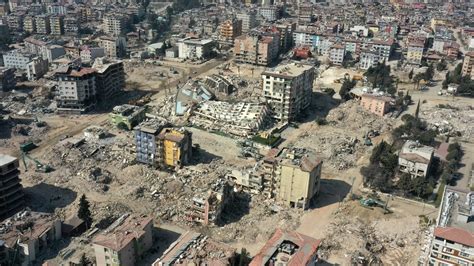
(40, 167)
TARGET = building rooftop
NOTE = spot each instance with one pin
(24, 226)
(290, 70)
(456, 235)
(6, 159)
(286, 248)
(457, 209)
(184, 250)
(122, 232)
(377, 97)
(152, 126)
(414, 151)
(171, 134)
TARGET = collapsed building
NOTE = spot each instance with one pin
(127, 116)
(219, 84)
(291, 176)
(239, 119)
(191, 93)
(162, 146)
(206, 208)
(193, 248)
(29, 234)
(288, 248)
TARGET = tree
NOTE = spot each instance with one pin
(442, 65)
(244, 257)
(446, 81)
(429, 73)
(84, 212)
(410, 75)
(417, 111)
(404, 183)
(84, 261)
(346, 87)
(418, 77)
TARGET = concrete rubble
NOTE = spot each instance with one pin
(451, 119)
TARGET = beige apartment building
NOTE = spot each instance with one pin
(114, 24)
(376, 104)
(29, 24)
(415, 53)
(124, 242)
(468, 64)
(56, 25)
(299, 180)
(230, 29)
(287, 89)
(257, 48)
(42, 24)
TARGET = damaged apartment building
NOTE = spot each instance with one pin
(241, 119)
(159, 145)
(80, 88)
(292, 176)
(11, 191)
(288, 89)
(29, 235)
(206, 208)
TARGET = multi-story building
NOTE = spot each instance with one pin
(468, 64)
(7, 79)
(376, 104)
(56, 9)
(270, 13)
(115, 47)
(288, 248)
(56, 25)
(452, 242)
(383, 47)
(249, 20)
(300, 179)
(114, 24)
(17, 59)
(29, 24)
(89, 54)
(305, 12)
(146, 140)
(124, 242)
(336, 54)
(286, 35)
(36, 68)
(415, 159)
(71, 25)
(52, 52)
(76, 89)
(230, 29)
(194, 48)
(11, 191)
(30, 235)
(257, 47)
(287, 89)
(174, 147)
(415, 53)
(43, 24)
(15, 22)
(110, 78)
(368, 58)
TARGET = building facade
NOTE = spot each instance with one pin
(376, 104)
(336, 54)
(76, 90)
(195, 49)
(7, 79)
(11, 191)
(174, 147)
(468, 64)
(415, 159)
(110, 78)
(249, 20)
(287, 89)
(230, 29)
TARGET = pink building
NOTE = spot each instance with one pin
(378, 105)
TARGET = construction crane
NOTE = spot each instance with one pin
(41, 168)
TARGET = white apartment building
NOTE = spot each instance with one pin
(16, 59)
(287, 89)
(76, 89)
(270, 13)
(415, 159)
(193, 48)
(368, 58)
(115, 47)
(114, 24)
(36, 68)
(336, 54)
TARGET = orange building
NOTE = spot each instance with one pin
(230, 29)
(378, 105)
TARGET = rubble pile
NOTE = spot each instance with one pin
(453, 119)
(27, 103)
(352, 116)
(366, 243)
(337, 150)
